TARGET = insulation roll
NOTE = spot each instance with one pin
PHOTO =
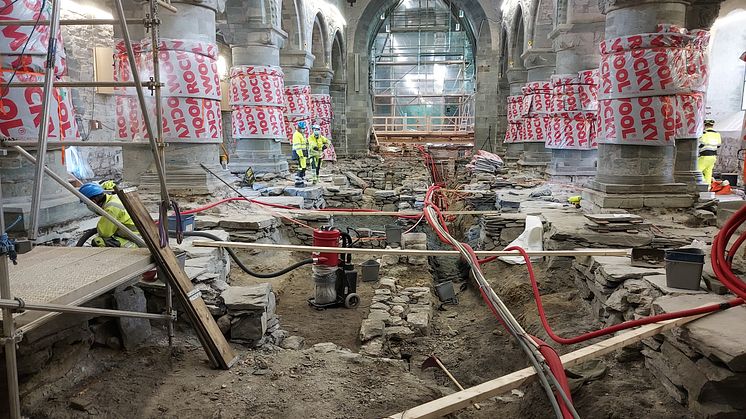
(573, 131)
(258, 122)
(589, 77)
(515, 106)
(690, 115)
(32, 42)
(515, 133)
(639, 121)
(257, 86)
(190, 93)
(645, 72)
(321, 113)
(297, 109)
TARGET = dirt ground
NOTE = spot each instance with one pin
(156, 382)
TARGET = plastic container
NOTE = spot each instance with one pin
(445, 291)
(327, 238)
(369, 270)
(684, 275)
(187, 222)
(393, 234)
(686, 254)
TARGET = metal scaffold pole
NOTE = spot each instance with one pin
(44, 125)
(9, 331)
(141, 98)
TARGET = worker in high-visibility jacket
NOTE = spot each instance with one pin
(108, 233)
(300, 152)
(709, 143)
(317, 144)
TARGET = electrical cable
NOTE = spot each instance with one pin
(238, 261)
(528, 344)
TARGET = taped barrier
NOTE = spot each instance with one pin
(297, 109)
(190, 94)
(23, 53)
(652, 86)
(258, 101)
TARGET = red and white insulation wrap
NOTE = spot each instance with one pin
(257, 99)
(574, 122)
(23, 52)
(529, 114)
(190, 93)
(322, 114)
(297, 109)
(652, 86)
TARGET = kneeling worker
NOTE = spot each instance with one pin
(108, 233)
(709, 143)
(317, 144)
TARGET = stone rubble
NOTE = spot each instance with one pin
(252, 317)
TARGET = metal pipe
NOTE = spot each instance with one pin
(9, 331)
(79, 84)
(58, 144)
(157, 79)
(70, 22)
(141, 98)
(7, 304)
(44, 124)
(95, 208)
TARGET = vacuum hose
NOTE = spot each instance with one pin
(240, 264)
(90, 233)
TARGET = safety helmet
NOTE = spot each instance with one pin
(316, 127)
(302, 125)
(709, 122)
(91, 190)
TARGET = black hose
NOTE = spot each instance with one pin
(86, 235)
(238, 261)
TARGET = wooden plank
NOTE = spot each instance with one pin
(462, 399)
(409, 252)
(212, 339)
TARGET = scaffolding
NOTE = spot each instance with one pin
(154, 126)
(422, 73)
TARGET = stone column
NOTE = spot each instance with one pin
(575, 43)
(255, 40)
(321, 79)
(21, 122)
(516, 79)
(636, 176)
(296, 64)
(192, 22)
(700, 15)
(540, 65)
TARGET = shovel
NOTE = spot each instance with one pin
(433, 361)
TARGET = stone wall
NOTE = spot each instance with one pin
(79, 42)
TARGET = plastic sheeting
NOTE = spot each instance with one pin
(531, 240)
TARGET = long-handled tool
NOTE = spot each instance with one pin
(433, 361)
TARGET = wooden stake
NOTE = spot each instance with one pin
(409, 252)
(462, 399)
(217, 348)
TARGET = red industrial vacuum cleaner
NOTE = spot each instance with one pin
(334, 275)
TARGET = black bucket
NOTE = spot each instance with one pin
(686, 254)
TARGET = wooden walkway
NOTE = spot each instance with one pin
(71, 276)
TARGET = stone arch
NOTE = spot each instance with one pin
(318, 47)
(518, 39)
(542, 24)
(292, 24)
(337, 59)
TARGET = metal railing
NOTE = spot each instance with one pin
(423, 125)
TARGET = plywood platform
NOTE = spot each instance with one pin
(72, 276)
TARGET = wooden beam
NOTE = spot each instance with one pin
(462, 399)
(382, 213)
(409, 252)
(217, 348)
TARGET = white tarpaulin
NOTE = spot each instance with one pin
(531, 240)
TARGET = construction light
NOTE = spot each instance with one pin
(460, 13)
(383, 16)
(458, 27)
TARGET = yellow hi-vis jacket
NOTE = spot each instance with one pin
(317, 144)
(300, 144)
(114, 207)
(710, 141)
